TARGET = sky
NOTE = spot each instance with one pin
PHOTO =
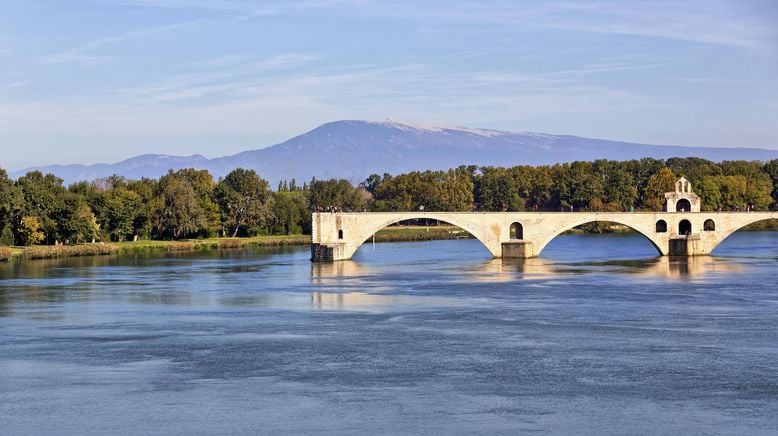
(87, 81)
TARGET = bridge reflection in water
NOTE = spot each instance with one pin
(354, 275)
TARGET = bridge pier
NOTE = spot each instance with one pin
(328, 252)
(689, 245)
(517, 249)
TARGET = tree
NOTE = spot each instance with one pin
(759, 185)
(245, 200)
(290, 213)
(42, 196)
(121, 209)
(146, 189)
(658, 185)
(178, 212)
(710, 193)
(29, 230)
(497, 190)
(75, 221)
(204, 186)
(10, 204)
(693, 168)
(336, 193)
(771, 169)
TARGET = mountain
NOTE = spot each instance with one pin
(355, 149)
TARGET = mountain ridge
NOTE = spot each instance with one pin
(354, 149)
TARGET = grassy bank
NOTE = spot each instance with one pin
(212, 243)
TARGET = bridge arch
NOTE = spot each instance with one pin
(723, 232)
(369, 228)
(646, 233)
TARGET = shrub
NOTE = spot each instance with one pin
(5, 254)
(182, 246)
(53, 252)
(7, 236)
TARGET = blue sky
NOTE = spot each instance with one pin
(85, 81)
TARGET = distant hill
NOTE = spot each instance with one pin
(355, 149)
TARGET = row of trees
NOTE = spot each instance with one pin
(599, 185)
(38, 209)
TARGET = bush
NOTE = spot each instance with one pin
(7, 236)
(5, 254)
(182, 246)
(53, 252)
(231, 243)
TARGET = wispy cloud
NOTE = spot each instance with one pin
(83, 53)
(706, 22)
(19, 84)
(237, 74)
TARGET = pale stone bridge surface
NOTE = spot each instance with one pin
(337, 236)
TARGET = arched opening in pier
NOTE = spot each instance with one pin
(661, 226)
(601, 240)
(683, 205)
(517, 231)
(709, 225)
(340, 234)
(685, 227)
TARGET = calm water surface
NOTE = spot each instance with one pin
(597, 337)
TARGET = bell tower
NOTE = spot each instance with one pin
(683, 199)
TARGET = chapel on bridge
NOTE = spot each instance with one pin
(683, 199)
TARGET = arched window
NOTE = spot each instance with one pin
(683, 205)
(517, 231)
(685, 227)
(661, 226)
(709, 225)
(680, 187)
(340, 234)
(685, 186)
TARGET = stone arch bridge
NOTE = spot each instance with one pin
(337, 236)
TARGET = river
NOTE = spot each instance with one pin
(598, 336)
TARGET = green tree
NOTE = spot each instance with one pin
(75, 221)
(290, 213)
(10, 202)
(178, 212)
(771, 169)
(710, 192)
(42, 196)
(759, 185)
(693, 168)
(120, 212)
(497, 190)
(245, 199)
(340, 194)
(205, 189)
(658, 185)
